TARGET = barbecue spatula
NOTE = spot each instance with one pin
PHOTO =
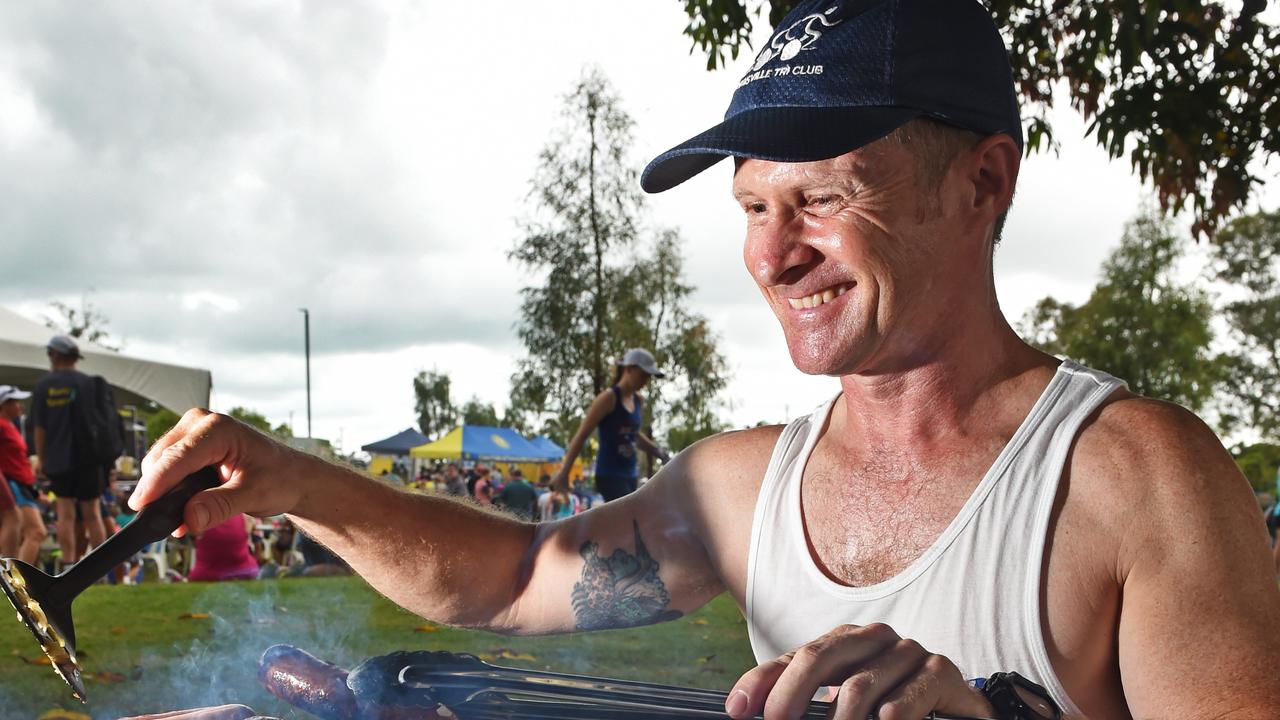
(44, 601)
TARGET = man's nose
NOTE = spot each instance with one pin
(777, 251)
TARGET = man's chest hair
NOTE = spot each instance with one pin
(867, 521)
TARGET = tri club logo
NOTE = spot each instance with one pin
(798, 37)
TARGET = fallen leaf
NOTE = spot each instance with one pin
(106, 676)
(42, 660)
(118, 631)
(195, 616)
(427, 629)
(700, 621)
(509, 654)
(60, 714)
(706, 659)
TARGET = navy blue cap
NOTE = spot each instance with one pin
(838, 74)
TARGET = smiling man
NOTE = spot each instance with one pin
(964, 506)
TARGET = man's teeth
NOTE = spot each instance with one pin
(819, 298)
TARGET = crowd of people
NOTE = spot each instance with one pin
(53, 487)
(541, 500)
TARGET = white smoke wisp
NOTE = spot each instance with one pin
(221, 667)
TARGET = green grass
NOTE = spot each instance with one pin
(160, 661)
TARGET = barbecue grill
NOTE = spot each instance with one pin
(427, 684)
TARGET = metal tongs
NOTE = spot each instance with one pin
(476, 690)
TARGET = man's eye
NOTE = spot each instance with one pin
(755, 208)
(822, 201)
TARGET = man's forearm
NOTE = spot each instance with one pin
(442, 558)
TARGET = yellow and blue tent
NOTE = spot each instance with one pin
(480, 442)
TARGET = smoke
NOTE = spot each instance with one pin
(244, 620)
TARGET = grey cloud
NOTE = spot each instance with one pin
(221, 148)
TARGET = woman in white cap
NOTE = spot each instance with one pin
(616, 414)
(21, 527)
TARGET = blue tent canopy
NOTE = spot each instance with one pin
(548, 446)
(398, 444)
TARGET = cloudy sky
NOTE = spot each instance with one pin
(206, 169)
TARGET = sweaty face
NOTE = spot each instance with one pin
(843, 256)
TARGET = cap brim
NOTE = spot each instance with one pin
(780, 134)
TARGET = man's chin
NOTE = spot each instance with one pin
(823, 363)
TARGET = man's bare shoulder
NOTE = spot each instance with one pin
(1133, 435)
(735, 456)
(720, 475)
(1144, 467)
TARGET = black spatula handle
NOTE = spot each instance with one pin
(152, 524)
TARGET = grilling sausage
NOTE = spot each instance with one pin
(307, 682)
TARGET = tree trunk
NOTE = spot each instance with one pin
(598, 303)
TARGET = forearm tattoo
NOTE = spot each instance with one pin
(622, 590)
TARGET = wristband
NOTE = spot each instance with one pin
(1014, 697)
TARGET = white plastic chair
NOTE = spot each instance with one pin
(158, 554)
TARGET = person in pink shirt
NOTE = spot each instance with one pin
(222, 552)
(483, 490)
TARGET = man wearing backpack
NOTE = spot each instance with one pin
(63, 400)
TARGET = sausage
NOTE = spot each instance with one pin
(311, 684)
(307, 682)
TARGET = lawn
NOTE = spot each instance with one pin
(154, 647)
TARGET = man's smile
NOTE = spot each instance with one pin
(822, 297)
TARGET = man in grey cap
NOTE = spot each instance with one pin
(76, 481)
(965, 507)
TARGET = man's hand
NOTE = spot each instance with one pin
(874, 672)
(255, 470)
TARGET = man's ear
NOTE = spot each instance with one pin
(993, 170)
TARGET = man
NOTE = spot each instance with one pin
(454, 482)
(76, 481)
(1002, 509)
(519, 496)
(16, 475)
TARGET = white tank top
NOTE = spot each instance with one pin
(974, 595)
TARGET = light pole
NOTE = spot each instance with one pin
(306, 334)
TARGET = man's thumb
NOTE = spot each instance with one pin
(211, 508)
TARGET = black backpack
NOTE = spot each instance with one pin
(98, 429)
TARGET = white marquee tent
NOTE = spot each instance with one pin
(23, 362)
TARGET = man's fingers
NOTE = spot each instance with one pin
(749, 693)
(828, 660)
(202, 443)
(211, 508)
(938, 686)
(177, 432)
